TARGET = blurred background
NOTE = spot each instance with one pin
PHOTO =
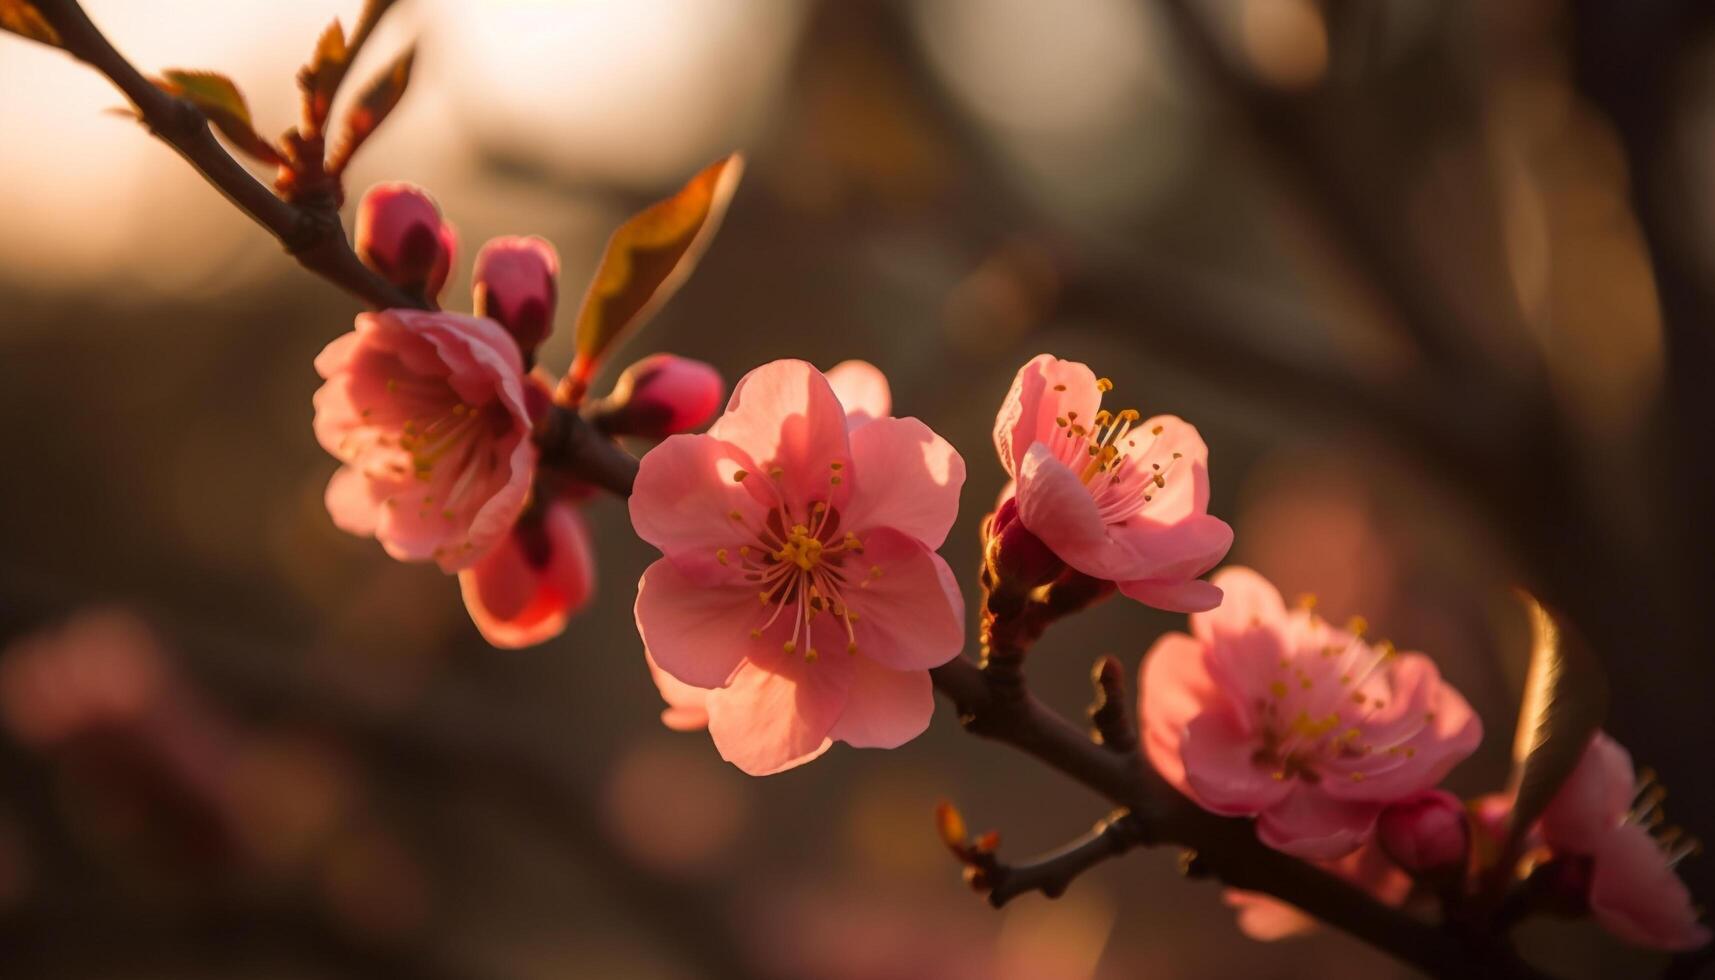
(1433, 277)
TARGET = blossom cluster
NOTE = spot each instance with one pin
(433, 414)
(800, 599)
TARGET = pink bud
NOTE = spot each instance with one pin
(662, 395)
(516, 284)
(1018, 561)
(400, 234)
(1427, 835)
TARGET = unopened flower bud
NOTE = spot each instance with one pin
(400, 234)
(1427, 835)
(1018, 561)
(662, 395)
(516, 284)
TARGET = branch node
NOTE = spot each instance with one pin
(1109, 717)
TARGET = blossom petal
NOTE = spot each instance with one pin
(863, 390)
(1247, 600)
(683, 501)
(1220, 770)
(911, 615)
(777, 715)
(525, 590)
(885, 708)
(353, 502)
(1173, 688)
(1190, 595)
(1635, 894)
(1181, 452)
(785, 416)
(1057, 508)
(1593, 800)
(908, 479)
(1182, 550)
(1314, 826)
(1438, 730)
(687, 707)
(1044, 389)
(698, 634)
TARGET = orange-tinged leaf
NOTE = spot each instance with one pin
(372, 108)
(320, 78)
(1565, 700)
(24, 19)
(951, 825)
(646, 262)
(223, 104)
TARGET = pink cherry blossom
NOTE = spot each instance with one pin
(1266, 918)
(400, 234)
(800, 587)
(1604, 813)
(1276, 714)
(525, 589)
(1117, 497)
(428, 412)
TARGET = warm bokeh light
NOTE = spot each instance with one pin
(1427, 334)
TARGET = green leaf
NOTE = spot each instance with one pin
(1565, 700)
(223, 104)
(646, 261)
(320, 78)
(372, 108)
(24, 19)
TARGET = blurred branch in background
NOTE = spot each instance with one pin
(1613, 531)
(449, 741)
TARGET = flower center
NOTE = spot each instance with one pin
(799, 565)
(1318, 708)
(1122, 473)
(800, 549)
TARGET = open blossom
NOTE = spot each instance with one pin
(800, 587)
(1277, 714)
(523, 591)
(1266, 918)
(428, 413)
(1116, 496)
(864, 393)
(1604, 814)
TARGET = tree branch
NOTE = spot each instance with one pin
(1226, 848)
(1052, 873)
(313, 236)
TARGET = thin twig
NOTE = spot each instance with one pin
(313, 236)
(1227, 848)
(1052, 873)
